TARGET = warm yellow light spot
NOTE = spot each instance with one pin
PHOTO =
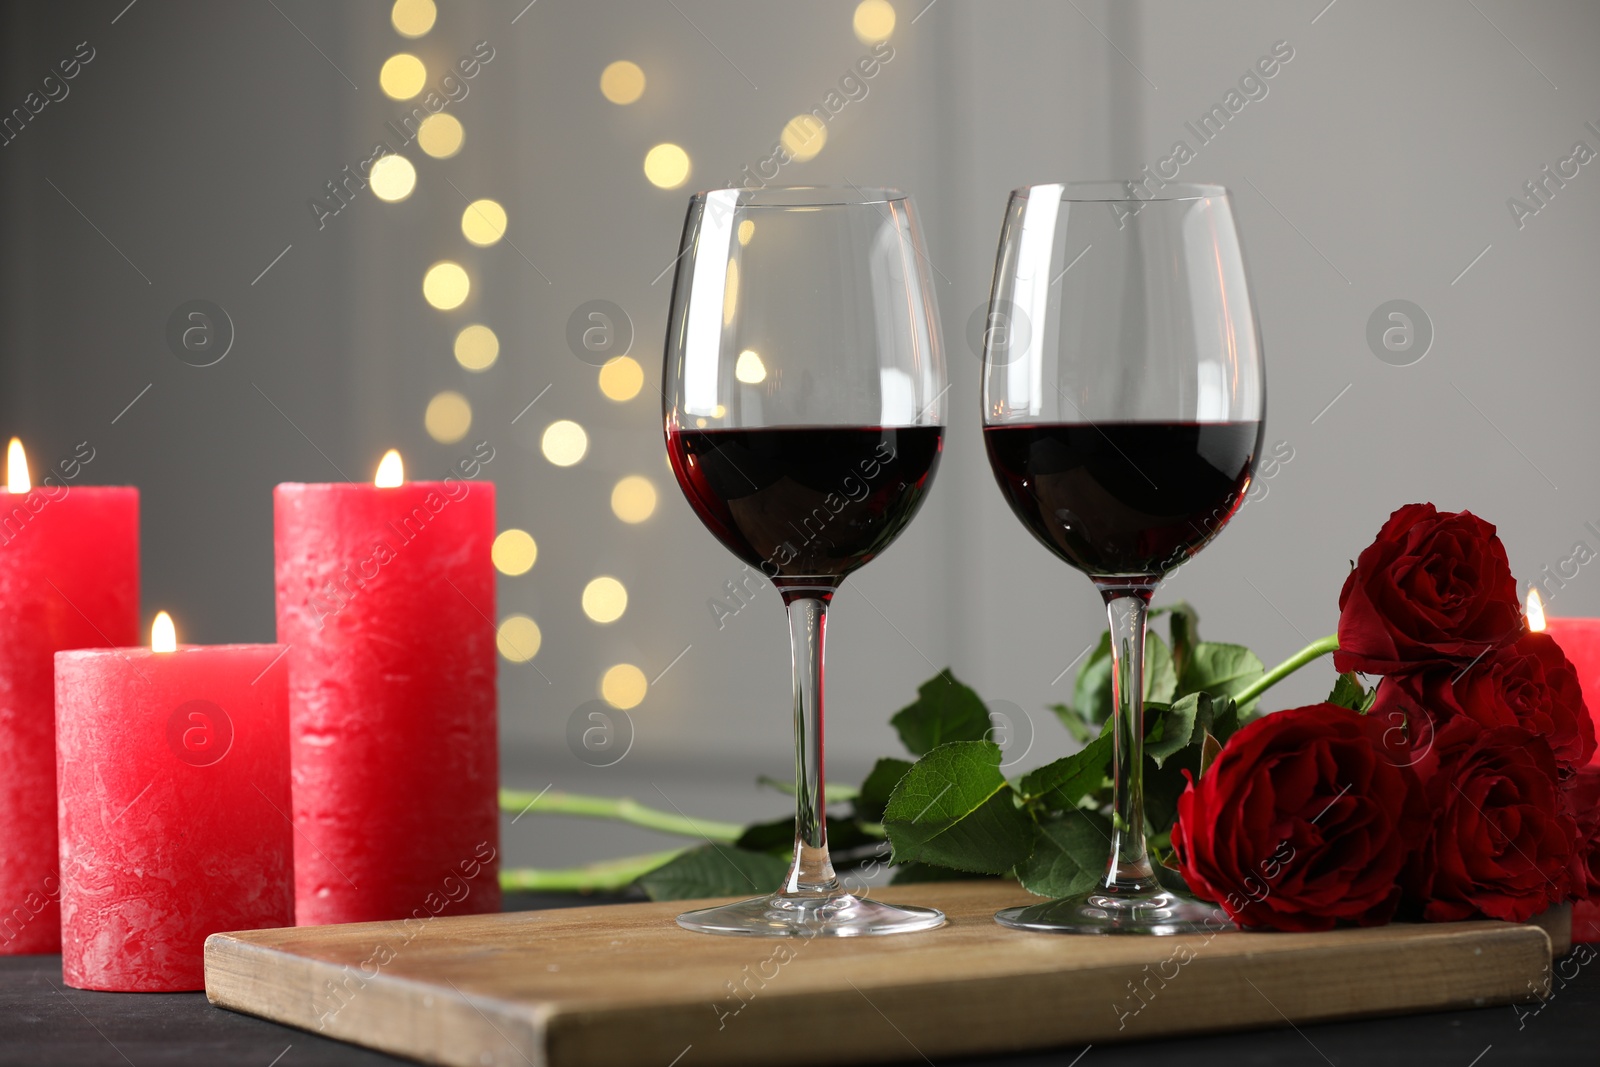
(803, 137)
(749, 369)
(747, 230)
(477, 347)
(441, 135)
(391, 471)
(622, 82)
(413, 18)
(1536, 621)
(514, 552)
(484, 222)
(621, 378)
(624, 686)
(730, 293)
(446, 285)
(564, 443)
(393, 178)
(667, 166)
(633, 499)
(518, 638)
(448, 417)
(17, 480)
(163, 635)
(719, 411)
(403, 76)
(700, 423)
(874, 21)
(605, 599)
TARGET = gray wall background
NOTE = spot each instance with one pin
(1377, 167)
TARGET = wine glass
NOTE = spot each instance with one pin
(1123, 399)
(803, 400)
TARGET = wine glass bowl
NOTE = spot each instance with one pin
(1123, 401)
(803, 399)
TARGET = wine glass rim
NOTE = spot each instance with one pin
(1125, 191)
(791, 196)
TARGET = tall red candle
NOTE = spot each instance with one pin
(174, 808)
(69, 578)
(386, 599)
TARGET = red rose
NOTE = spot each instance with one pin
(1502, 841)
(1529, 684)
(1583, 801)
(1433, 588)
(1301, 822)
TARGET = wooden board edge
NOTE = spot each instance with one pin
(376, 1011)
(1463, 969)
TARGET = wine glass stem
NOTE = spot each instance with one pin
(1129, 869)
(812, 871)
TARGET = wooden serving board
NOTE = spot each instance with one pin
(623, 984)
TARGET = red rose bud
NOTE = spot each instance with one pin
(1582, 795)
(1528, 684)
(1435, 587)
(1502, 841)
(1303, 822)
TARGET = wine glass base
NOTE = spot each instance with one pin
(834, 915)
(1101, 911)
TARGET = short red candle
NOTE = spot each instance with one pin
(69, 578)
(174, 808)
(386, 599)
(1580, 640)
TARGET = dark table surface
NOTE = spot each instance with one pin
(43, 1022)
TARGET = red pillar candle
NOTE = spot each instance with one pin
(1580, 641)
(69, 578)
(386, 599)
(174, 808)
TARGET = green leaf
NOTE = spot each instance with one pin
(1210, 749)
(1220, 669)
(1169, 730)
(955, 809)
(916, 873)
(1184, 626)
(1226, 718)
(1081, 729)
(877, 787)
(1069, 854)
(715, 871)
(1163, 785)
(1160, 677)
(1348, 692)
(1060, 785)
(1091, 693)
(945, 710)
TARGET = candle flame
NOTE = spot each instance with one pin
(163, 635)
(17, 480)
(1535, 610)
(391, 471)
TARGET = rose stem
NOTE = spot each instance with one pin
(1312, 651)
(605, 876)
(622, 809)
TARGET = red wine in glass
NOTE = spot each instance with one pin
(806, 502)
(802, 398)
(1123, 402)
(1127, 497)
